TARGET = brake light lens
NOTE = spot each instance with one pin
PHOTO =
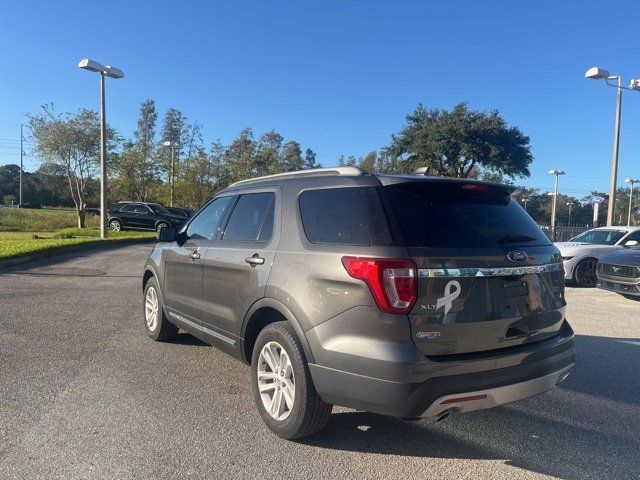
(392, 281)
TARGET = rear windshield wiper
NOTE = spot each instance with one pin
(514, 238)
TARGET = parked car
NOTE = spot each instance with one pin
(581, 253)
(183, 212)
(409, 296)
(619, 271)
(141, 216)
(92, 211)
(35, 205)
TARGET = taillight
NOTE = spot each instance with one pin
(392, 281)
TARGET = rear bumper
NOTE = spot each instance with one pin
(493, 397)
(417, 389)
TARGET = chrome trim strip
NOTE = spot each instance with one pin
(488, 272)
(217, 335)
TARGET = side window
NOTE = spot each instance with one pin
(334, 215)
(205, 225)
(128, 209)
(252, 218)
(142, 209)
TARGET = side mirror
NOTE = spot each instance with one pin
(167, 234)
(631, 243)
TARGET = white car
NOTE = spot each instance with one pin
(581, 253)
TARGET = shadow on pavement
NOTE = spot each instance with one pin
(183, 338)
(548, 436)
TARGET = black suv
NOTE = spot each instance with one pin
(409, 296)
(141, 216)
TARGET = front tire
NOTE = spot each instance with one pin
(282, 386)
(160, 226)
(585, 273)
(155, 322)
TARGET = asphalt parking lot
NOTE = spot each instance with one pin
(85, 394)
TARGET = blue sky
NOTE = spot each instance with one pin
(338, 76)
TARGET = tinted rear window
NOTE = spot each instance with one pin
(334, 215)
(447, 215)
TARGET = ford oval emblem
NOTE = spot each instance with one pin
(516, 256)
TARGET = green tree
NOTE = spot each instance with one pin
(240, 156)
(369, 162)
(310, 161)
(269, 153)
(291, 156)
(456, 143)
(72, 143)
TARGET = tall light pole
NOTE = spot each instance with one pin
(556, 173)
(112, 72)
(631, 181)
(525, 201)
(172, 178)
(596, 73)
(570, 205)
(21, 164)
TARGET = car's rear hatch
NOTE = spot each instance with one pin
(488, 277)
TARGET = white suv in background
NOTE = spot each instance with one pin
(581, 253)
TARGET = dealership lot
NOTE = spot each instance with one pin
(85, 394)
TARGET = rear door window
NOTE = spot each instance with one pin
(334, 215)
(465, 215)
(252, 218)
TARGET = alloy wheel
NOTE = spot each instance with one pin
(276, 381)
(586, 273)
(151, 309)
(115, 226)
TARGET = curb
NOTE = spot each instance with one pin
(100, 244)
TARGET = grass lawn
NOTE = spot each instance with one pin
(19, 244)
(40, 220)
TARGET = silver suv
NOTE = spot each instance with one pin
(402, 295)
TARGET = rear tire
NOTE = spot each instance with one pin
(585, 273)
(115, 225)
(155, 322)
(300, 412)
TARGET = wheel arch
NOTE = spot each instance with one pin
(164, 222)
(590, 256)
(262, 313)
(149, 272)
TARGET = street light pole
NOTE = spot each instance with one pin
(596, 73)
(112, 72)
(631, 181)
(103, 161)
(21, 164)
(556, 173)
(570, 205)
(172, 176)
(614, 157)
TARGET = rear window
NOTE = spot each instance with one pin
(334, 215)
(448, 215)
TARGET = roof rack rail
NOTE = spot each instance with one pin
(353, 171)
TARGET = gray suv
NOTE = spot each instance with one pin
(402, 295)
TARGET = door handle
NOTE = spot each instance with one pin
(254, 260)
(194, 255)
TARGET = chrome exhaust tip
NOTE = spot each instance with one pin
(443, 415)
